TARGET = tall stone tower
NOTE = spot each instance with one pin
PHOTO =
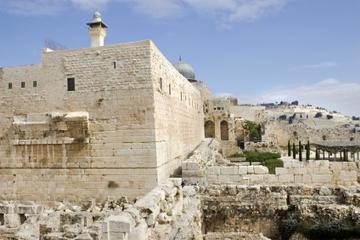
(97, 30)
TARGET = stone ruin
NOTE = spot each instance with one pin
(198, 207)
(109, 145)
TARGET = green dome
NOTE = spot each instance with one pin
(185, 69)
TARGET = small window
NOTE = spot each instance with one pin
(181, 97)
(169, 89)
(10, 85)
(114, 64)
(22, 84)
(34, 83)
(71, 84)
(161, 84)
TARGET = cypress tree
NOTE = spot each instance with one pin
(289, 149)
(317, 154)
(300, 151)
(294, 151)
(345, 156)
(308, 150)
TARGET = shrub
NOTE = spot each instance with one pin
(282, 117)
(237, 155)
(253, 130)
(253, 156)
(267, 159)
(272, 164)
(318, 115)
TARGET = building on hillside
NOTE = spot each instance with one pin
(95, 122)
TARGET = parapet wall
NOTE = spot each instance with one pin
(317, 173)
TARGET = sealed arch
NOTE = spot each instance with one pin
(224, 126)
(209, 129)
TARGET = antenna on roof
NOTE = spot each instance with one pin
(54, 45)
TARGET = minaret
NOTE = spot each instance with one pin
(97, 30)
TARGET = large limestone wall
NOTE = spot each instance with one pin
(124, 139)
(206, 167)
(315, 173)
(179, 119)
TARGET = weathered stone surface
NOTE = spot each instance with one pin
(120, 117)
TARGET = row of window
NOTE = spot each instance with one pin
(22, 85)
(70, 84)
(182, 96)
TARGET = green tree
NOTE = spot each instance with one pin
(294, 151)
(253, 131)
(300, 151)
(317, 154)
(308, 150)
(289, 148)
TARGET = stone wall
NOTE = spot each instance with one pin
(311, 173)
(179, 117)
(204, 170)
(251, 210)
(132, 138)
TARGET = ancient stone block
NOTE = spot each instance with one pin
(139, 232)
(231, 170)
(286, 178)
(321, 178)
(281, 171)
(12, 220)
(243, 170)
(261, 170)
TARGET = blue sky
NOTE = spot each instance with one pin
(257, 50)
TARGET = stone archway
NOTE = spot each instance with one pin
(224, 127)
(209, 129)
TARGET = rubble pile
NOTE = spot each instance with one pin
(163, 211)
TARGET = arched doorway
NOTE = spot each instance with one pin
(209, 129)
(224, 126)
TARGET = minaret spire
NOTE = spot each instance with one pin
(97, 30)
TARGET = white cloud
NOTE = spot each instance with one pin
(90, 4)
(32, 7)
(315, 66)
(157, 8)
(48, 7)
(225, 11)
(329, 93)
